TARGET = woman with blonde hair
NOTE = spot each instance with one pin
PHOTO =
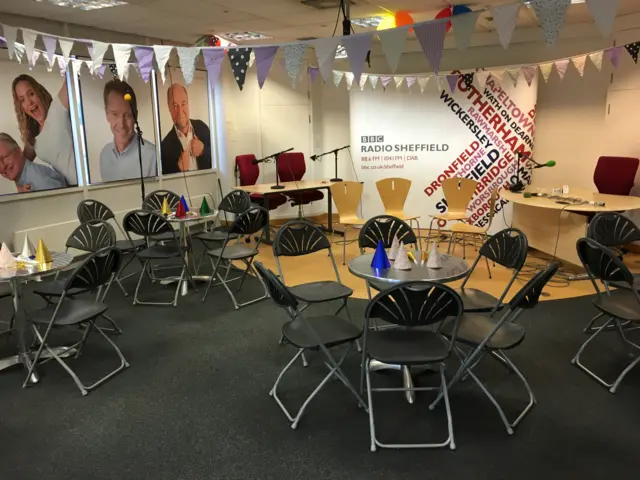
(45, 125)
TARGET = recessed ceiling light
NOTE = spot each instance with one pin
(341, 52)
(367, 22)
(244, 36)
(85, 4)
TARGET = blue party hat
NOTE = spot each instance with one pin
(184, 203)
(380, 259)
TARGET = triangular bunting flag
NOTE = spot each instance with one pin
(34, 58)
(337, 77)
(96, 52)
(550, 14)
(463, 27)
(19, 51)
(597, 58)
(121, 54)
(498, 74)
(613, 54)
(62, 65)
(467, 78)
(561, 67)
(363, 80)
(452, 81)
(431, 37)
(76, 65)
(29, 38)
(252, 59)
(10, 34)
(423, 81)
(325, 54)
(103, 67)
(373, 80)
(442, 83)
(264, 59)
(213, 63)
(66, 46)
(482, 76)
(162, 52)
(357, 47)
(293, 56)
(349, 78)
(604, 14)
(580, 62)
(313, 73)
(514, 73)
(385, 80)
(504, 19)
(144, 57)
(633, 49)
(529, 73)
(398, 81)
(546, 69)
(393, 41)
(239, 58)
(187, 57)
(411, 81)
(50, 44)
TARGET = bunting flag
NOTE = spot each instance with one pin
(385, 80)
(546, 69)
(431, 38)
(452, 80)
(348, 76)
(252, 59)
(551, 15)
(373, 80)
(76, 65)
(337, 78)
(463, 28)
(35, 55)
(393, 41)
(468, 78)
(357, 47)
(325, 54)
(514, 73)
(363, 81)
(561, 67)
(423, 81)
(62, 65)
(96, 52)
(29, 38)
(50, 44)
(10, 35)
(239, 59)
(19, 51)
(187, 57)
(293, 56)
(144, 56)
(597, 58)
(313, 73)
(482, 77)
(613, 54)
(633, 49)
(162, 53)
(411, 81)
(529, 73)
(213, 63)
(504, 19)
(65, 47)
(398, 81)
(580, 62)
(498, 74)
(264, 59)
(604, 14)
(443, 84)
(121, 54)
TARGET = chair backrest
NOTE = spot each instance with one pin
(291, 166)
(235, 202)
(92, 236)
(385, 227)
(154, 200)
(615, 175)
(613, 229)
(347, 196)
(393, 193)
(529, 295)
(250, 222)
(93, 210)
(508, 248)
(278, 292)
(458, 193)
(146, 223)
(96, 270)
(248, 172)
(602, 263)
(299, 237)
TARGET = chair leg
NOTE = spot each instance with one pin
(344, 246)
(429, 236)
(451, 237)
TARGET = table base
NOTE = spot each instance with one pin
(8, 362)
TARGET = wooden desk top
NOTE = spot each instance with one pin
(265, 188)
(613, 203)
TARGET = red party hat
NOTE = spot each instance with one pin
(180, 211)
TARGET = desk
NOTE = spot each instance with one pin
(299, 186)
(540, 218)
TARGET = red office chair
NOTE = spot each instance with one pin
(291, 168)
(615, 175)
(248, 174)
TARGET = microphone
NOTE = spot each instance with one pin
(550, 163)
(314, 157)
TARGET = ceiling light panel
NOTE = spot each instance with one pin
(85, 4)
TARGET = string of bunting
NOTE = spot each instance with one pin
(430, 35)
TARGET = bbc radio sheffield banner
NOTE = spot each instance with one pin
(473, 132)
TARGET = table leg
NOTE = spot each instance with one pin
(329, 211)
(265, 204)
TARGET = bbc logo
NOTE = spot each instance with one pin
(372, 139)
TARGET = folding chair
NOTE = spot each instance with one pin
(508, 248)
(321, 333)
(254, 220)
(602, 263)
(94, 210)
(410, 306)
(5, 292)
(150, 224)
(88, 238)
(97, 272)
(488, 333)
(153, 202)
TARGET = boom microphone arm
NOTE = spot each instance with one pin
(335, 155)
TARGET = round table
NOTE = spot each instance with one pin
(17, 277)
(453, 268)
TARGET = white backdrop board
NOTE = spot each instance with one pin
(429, 137)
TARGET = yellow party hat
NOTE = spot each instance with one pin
(42, 254)
(165, 207)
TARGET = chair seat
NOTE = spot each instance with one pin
(331, 331)
(624, 307)
(379, 286)
(401, 346)
(461, 227)
(304, 197)
(350, 220)
(236, 251)
(161, 251)
(215, 236)
(450, 216)
(164, 237)
(475, 327)
(127, 247)
(54, 288)
(71, 312)
(476, 300)
(402, 216)
(275, 201)
(318, 292)
(625, 286)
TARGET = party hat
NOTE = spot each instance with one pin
(184, 204)
(28, 250)
(435, 260)
(43, 255)
(180, 211)
(395, 245)
(165, 207)
(6, 259)
(402, 260)
(204, 208)
(380, 260)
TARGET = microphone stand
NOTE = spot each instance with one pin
(335, 158)
(518, 185)
(140, 143)
(275, 156)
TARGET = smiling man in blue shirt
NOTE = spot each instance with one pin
(27, 175)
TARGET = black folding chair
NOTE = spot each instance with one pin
(602, 263)
(147, 224)
(5, 292)
(153, 202)
(410, 306)
(254, 220)
(487, 333)
(96, 273)
(321, 333)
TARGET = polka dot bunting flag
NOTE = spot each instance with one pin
(467, 78)
(633, 49)
(239, 58)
